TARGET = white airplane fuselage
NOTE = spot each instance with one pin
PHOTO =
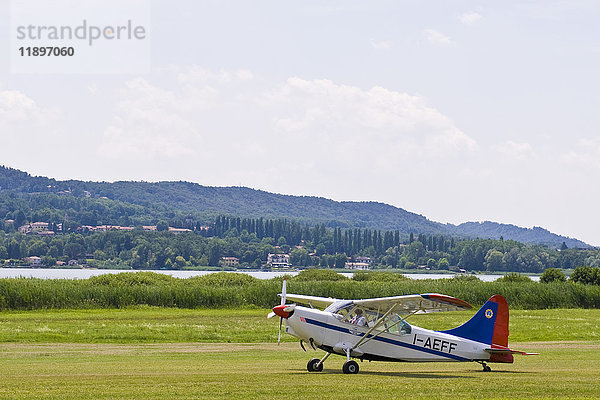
(326, 331)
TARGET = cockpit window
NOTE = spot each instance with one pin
(347, 311)
(339, 307)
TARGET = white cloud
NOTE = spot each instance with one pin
(193, 74)
(16, 107)
(437, 38)
(29, 132)
(151, 122)
(299, 126)
(469, 18)
(381, 44)
(517, 150)
(394, 127)
(92, 88)
(588, 154)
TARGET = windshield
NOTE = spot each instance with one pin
(395, 324)
(339, 307)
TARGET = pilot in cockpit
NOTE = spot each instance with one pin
(359, 319)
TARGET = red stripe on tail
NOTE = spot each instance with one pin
(500, 336)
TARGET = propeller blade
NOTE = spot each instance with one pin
(283, 291)
(270, 315)
(279, 337)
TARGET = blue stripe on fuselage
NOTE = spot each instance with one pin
(387, 340)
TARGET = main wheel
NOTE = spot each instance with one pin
(350, 367)
(314, 366)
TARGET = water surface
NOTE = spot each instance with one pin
(45, 273)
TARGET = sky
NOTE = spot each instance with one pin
(459, 111)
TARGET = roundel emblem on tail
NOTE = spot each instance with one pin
(489, 313)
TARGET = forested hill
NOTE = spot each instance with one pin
(204, 202)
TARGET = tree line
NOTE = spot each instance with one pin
(309, 245)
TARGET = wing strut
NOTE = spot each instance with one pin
(366, 338)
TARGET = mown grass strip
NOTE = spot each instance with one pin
(208, 371)
(155, 325)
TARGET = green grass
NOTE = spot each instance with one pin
(173, 325)
(171, 353)
(259, 371)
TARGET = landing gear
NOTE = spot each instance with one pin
(314, 365)
(486, 368)
(350, 367)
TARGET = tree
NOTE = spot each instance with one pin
(586, 275)
(180, 262)
(99, 255)
(340, 260)
(53, 252)
(552, 275)
(443, 263)
(73, 250)
(13, 249)
(48, 261)
(415, 251)
(299, 258)
(493, 261)
(320, 249)
(214, 254)
(38, 248)
(162, 226)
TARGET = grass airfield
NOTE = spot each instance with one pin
(147, 353)
(258, 371)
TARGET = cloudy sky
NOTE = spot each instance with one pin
(460, 111)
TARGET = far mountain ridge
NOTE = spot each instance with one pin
(207, 201)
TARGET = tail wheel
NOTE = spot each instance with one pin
(350, 367)
(314, 365)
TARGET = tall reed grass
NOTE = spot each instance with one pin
(228, 290)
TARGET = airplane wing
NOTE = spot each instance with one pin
(418, 303)
(315, 301)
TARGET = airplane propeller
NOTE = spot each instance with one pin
(282, 310)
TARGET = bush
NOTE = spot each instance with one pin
(224, 279)
(553, 275)
(239, 290)
(514, 277)
(131, 279)
(378, 276)
(586, 275)
(465, 278)
(319, 275)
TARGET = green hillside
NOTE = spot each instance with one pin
(146, 202)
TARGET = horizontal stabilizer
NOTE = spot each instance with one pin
(495, 349)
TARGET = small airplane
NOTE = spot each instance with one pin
(376, 329)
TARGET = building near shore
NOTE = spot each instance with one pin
(33, 261)
(278, 260)
(357, 265)
(229, 261)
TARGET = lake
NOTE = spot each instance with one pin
(44, 273)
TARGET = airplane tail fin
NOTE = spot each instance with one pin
(489, 325)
